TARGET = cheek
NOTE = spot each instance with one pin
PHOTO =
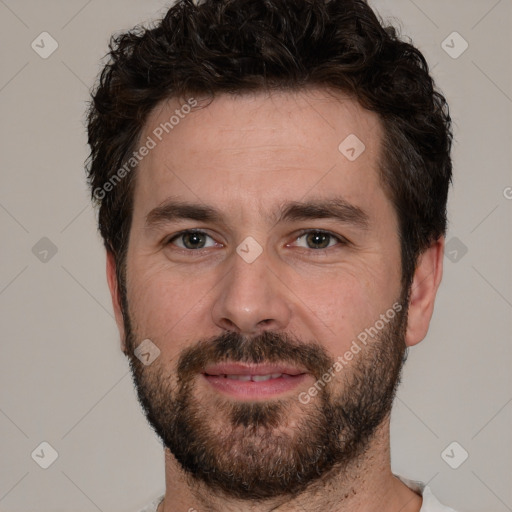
(330, 309)
(338, 307)
(166, 305)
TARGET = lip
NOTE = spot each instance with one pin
(252, 369)
(289, 379)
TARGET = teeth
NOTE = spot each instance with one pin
(259, 378)
(239, 377)
(254, 378)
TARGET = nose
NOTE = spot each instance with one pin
(251, 298)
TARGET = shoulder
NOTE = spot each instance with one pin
(430, 502)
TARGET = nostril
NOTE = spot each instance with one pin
(229, 325)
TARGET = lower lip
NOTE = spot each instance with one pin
(249, 390)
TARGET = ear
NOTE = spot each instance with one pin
(116, 297)
(427, 277)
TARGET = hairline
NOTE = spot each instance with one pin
(383, 162)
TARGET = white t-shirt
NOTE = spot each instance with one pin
(430, 503)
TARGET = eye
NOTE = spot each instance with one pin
(192, 240)
(316, 239)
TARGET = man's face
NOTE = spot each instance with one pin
(257, 248)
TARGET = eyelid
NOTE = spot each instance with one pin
(169, 239)
(339, 238)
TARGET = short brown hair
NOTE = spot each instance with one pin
(235, 46)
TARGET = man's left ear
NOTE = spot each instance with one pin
(427, 277)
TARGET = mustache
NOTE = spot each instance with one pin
(267, 347)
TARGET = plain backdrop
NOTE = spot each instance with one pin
(63, 378)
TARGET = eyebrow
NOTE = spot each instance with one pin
(172, 210)
(337, 208)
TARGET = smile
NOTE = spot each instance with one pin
(253, 382)
(254, 378)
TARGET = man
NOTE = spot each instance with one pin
(272, 178)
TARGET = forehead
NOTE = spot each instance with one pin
(260, 147)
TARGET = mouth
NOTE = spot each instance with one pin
(253, 382)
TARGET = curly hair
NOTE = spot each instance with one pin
(211, 47)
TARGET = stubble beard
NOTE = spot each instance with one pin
(274, 448)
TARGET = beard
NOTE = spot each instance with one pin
(273, 448)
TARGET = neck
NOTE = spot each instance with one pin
(365, 485)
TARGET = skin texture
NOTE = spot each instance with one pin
(246, 156)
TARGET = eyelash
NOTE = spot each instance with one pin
(187, 232)
(339, 239)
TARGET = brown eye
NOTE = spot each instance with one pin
(192, 240)
(318, 240)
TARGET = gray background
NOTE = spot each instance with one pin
(63, 378)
